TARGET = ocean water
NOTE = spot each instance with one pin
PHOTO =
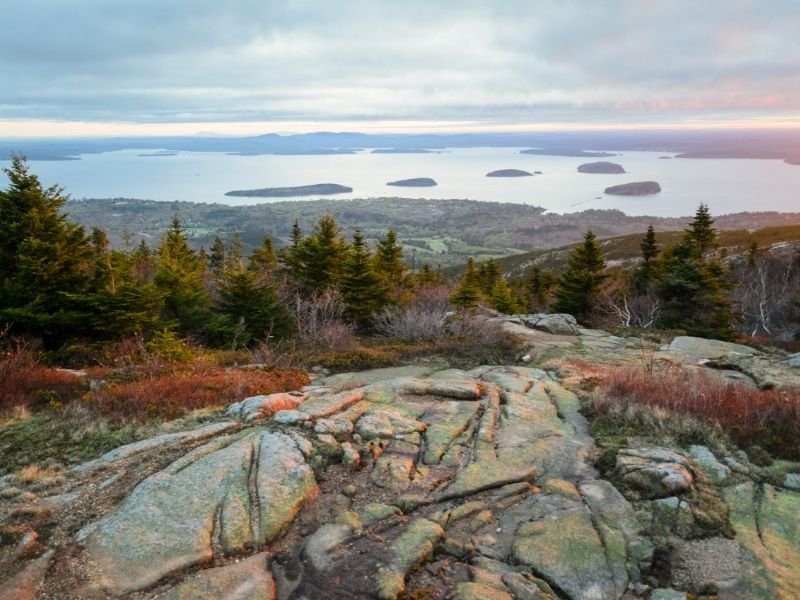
(726, 185)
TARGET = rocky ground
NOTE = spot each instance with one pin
(420, 484)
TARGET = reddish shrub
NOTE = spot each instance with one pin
(26, 383)
(171, 396)
(767, 418)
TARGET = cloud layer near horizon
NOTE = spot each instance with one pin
(153, 61)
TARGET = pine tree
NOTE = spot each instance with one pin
(46, 261)
(468, 294)
(389, 265)
(580, 283)
(179, 276)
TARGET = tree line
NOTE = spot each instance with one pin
(58, 282)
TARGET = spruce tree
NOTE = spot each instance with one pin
(489, 274)
(468, 294)
(539, 288)
(46, 261)
(694, 284)
(502, 298)
(217, 256)
(291, 258)
(179, 276)
(428, 277)
(263, 260)
(320, 256)
(701, 231)
(647, 273)
(362, 289)
(579, 285)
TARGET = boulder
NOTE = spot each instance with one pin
(557, 324)
(694, 349)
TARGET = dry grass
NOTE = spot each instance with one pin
(173, 395)
(769, 419)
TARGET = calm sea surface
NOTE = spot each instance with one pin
(729, 185)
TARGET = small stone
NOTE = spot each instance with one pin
(351, 455)
(349, 490)
(792, 481)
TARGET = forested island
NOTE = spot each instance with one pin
(414, 182)
(509, 173)
(635, 188)
(601, 167)
(317, 189)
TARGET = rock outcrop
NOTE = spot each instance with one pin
(414, 482)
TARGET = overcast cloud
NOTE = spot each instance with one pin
(500, 62)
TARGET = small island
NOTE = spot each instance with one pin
(160, 153)
(509, 173)
(317, 189)
(635, 188)
(665, 157)
(414, 182)
(566, 152)
(601, 167)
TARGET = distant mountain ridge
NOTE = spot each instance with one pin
(774, 144)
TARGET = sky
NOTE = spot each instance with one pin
(241, 67)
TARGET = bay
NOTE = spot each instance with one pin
(726, 185)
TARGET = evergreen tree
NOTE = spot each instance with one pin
(46, 261)
(489, 274)
(701, 231)
(540, 288)
(291, 257)
(362, 288)
(248, 309)
(388, 259)
(320, 256)
(694, 285)
(263, 260)
(217, 256)
(389, 265)
(648, 271)
(234, 255)
(579, 285)
(692, 292)
(468, 294)
(502, 298)
(179, 276)
(428, 277)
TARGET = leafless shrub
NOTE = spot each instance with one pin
(320, 323)
(423, 320)
(765, 294)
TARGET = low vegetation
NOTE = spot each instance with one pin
(693, 407)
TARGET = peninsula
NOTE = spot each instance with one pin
(566, 152)
(317, 189)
